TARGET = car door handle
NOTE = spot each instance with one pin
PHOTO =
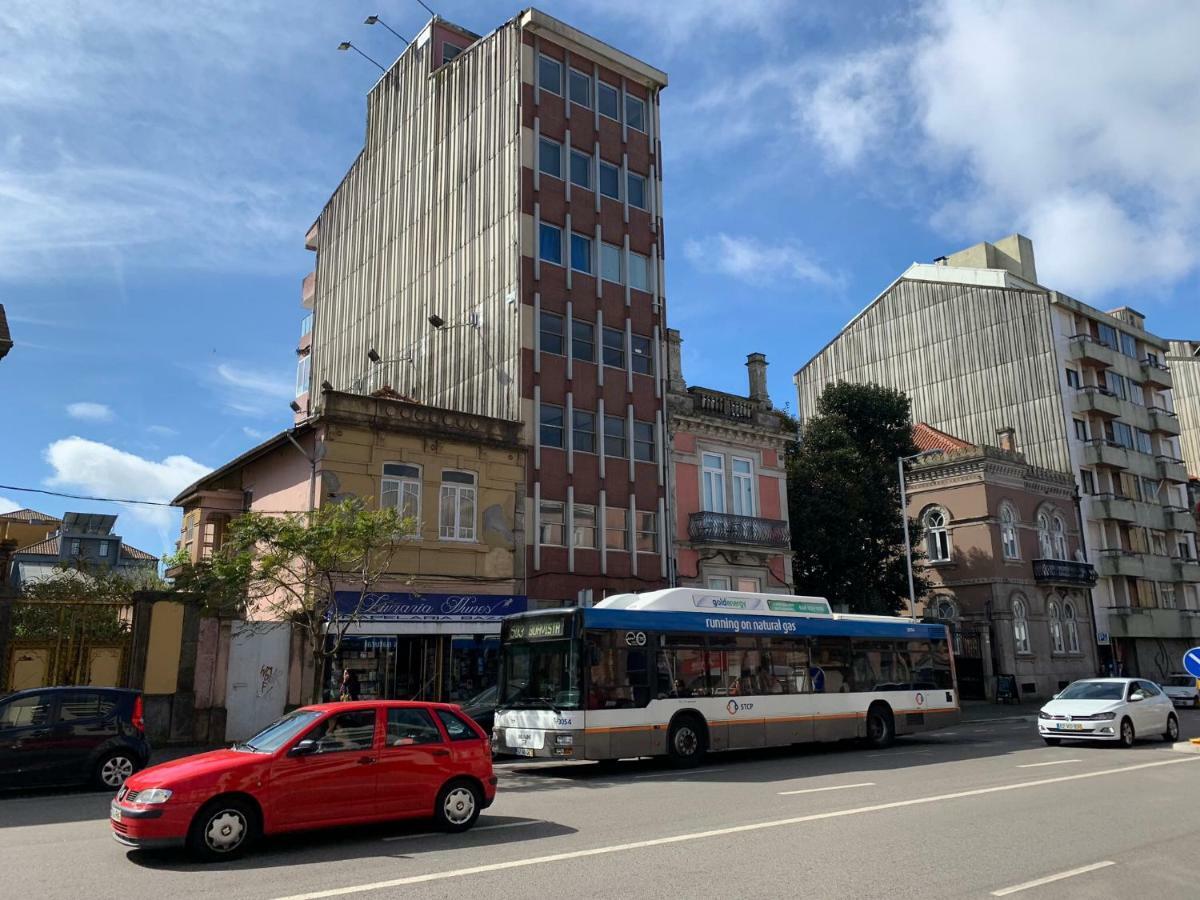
(365, 760)
(441, 752)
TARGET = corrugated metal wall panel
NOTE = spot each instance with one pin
(1185, 374)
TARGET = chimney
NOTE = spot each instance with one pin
(1008, 438)
(757, 364)
(675, 382)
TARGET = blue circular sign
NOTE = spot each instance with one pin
(1191, 662)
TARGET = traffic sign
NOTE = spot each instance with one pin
(1191, 662)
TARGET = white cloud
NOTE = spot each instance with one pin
(852, 106)
(163, 430)
(101, 470)
(757, 262)
(252, 392)
(253, 433)
(7, 506)
(90, 412)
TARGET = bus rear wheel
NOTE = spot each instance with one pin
(881, 726)
(687, 742)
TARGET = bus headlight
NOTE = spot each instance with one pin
(564, 740)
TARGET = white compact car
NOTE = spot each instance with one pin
(1182, 690)
(1108, 709)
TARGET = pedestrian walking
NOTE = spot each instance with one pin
(350, 689)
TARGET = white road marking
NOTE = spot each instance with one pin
(425, 834)
(678, 772)
(1053, 762)
(1038, 882)
(718, 832)
(900, 753)
(836, 787)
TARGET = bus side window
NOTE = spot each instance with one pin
(830, 669)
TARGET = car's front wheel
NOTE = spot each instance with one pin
(1172, 732)
(223, 829)
(1127, 735)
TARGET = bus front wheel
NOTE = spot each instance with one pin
(687, 741)
(881, 726)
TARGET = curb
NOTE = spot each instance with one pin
(1029, 718)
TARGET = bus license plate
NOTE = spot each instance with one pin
(523, 751)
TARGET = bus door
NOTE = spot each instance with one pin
(618, 691)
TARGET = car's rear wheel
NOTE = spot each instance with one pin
(1052, 742)
(1127, 735)
(113, 768)
(223, 829)
(458, 806)
(1172, 732)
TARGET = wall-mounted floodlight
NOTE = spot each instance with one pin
(347, 45)
(436, 321)
(326, 386)
(375, 20)
(373, 356)
(295, 406)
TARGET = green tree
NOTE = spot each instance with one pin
(292, 567)
(844, 500)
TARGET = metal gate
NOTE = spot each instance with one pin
(968, 665)
(258, 677)
(68, 643)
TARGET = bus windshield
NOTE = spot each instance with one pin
(540, 675)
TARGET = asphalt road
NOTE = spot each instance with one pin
(970, 812)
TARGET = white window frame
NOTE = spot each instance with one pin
(545, 141)
(623, 531)
(600, 181)
(559, 65)
(639, 264)
(1058, 536)
(303, 374)
(750, 584)
(629, 177)
(1071, 621)
(402, 484)
(103, 549)
(459, 491)
(578, 512)
(587, 168)
(1054, 619)
(738, 490)
(571, 93)
(937, 537)
(561, 248)
(616, 94)
(1010, 544)
(591, 262)
(629, 98)
(719, 583)
(543, 316)
(576, 431)
(1020, 612)
(550, 506)
(712, 483)
(562, 428)
(1045, 542)
(640, 532)
(609, 252)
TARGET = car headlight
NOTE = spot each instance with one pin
(154, 795)
(1042, 714)
(1103, 717)
(564, 739)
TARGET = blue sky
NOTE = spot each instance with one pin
(158, 172)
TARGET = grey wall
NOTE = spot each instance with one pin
(1185, 373)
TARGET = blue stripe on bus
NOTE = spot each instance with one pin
(723, 623)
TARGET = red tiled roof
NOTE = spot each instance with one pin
(134, 553)
(926, 437)
(50, 547)
(29, 515)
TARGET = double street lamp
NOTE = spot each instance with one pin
(912, 593)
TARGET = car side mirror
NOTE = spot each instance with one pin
(1134, 698)
(304, 748)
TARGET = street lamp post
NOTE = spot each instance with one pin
(912, 592)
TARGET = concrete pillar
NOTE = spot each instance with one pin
(675, 382)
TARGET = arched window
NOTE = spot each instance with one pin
(1056, 626)
(937, 537)
(1020, 624)
(1045, 543)
(943, 608)
(1059, 534)
(1008, 532)
(1072, 627)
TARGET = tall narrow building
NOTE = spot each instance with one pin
(980, 346)
(496, 249)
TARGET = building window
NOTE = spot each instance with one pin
(637, 190)
(1045, 547)
(1073, 379)
(550, 75)
(456, 516)
(1087, 481)
(1116, 384)
(583, 431)
(1056, 626)
(614, 436)
(1150, 490)
(584, 527)
(103, 548)
(610, 263)
(616, 529)
(583, 340)
(550, 157)
(643, 441)
(1080, 429)
(1071, 626)
(1137, 392)
(551, 524)
(550, 244)
(741, 476)
(610, 180)
(943, 608)
(1008, 532)
(401, 490)
(550, 336)
(74, 548)
(303, 374)
(1107, 336)
(647, 531)
(720, 583)
(1189, 597)
(635, 112)
(1059, 534)
(551, 425)
(1143, 440)
(1020, 624)
(581, 88)
(608, 100)
(1129, 345)
(937, 536)
(639, 271)
(1120, 434)
(581, 170)
(581, 254)
(614, 348)
(713, 469)
(450, 52)
(748, 585)
(643, 355)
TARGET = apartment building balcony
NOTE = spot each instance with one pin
(1178, 518)
(1171, 469)
(1098, 400)
(308, 290)
(1163, 421)
(305, 333)
(1122, 563)
(1100, 452)
(1151, 622)
(723, 528)
(1114, 506)
(1064, 572)
(1087, 350)
(1156, 374)
(1187, 570)
(1160, 568)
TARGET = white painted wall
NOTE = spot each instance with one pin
(258, 677)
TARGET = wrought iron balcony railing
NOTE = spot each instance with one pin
(1063, 571)
(724, 528)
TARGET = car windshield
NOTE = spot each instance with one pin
(1181, 681)
(1093, 690)
(279, 733)
(540, 675)
(485, 699)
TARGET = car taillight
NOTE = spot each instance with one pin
(137, 720)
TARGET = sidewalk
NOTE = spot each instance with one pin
(986, 711)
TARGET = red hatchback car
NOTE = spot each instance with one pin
(332, 764)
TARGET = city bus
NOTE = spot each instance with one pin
(687, 671)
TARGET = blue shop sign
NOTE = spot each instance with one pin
(401, 607)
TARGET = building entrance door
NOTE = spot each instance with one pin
(968, 665)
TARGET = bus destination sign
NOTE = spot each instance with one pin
(536, 629)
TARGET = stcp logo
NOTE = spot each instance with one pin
(635, 638)
(732, 706)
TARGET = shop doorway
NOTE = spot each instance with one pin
(444, 668)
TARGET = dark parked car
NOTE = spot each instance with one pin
(482, 709)
(71, 735)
